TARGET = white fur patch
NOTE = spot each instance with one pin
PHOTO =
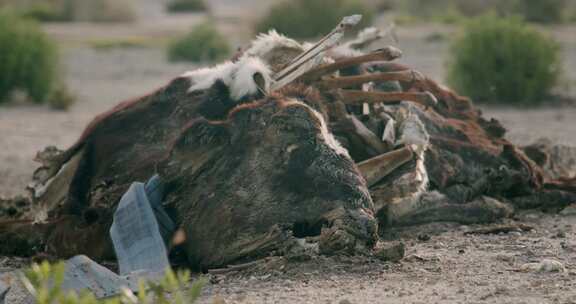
(243, 80)
(266, 42)
(238, 76)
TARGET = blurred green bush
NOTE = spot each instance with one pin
(543, 11)
(29, 59)
(203, 43)
(503, 60)
(74, 10)
(447, 11)
(177, 6)
(104, 10)
(311, 18)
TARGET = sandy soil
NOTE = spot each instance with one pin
(449, 268)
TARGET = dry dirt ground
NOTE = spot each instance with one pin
(450, 267)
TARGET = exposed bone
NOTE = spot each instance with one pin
(389, 133)
(434, 207)
(385, 54)
(376, 168)
(313, 56)
(357, 97)
(324, 43)
(350, 81)
(369, 138)
(366, 37)
(427, 84)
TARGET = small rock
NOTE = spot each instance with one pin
(391, 253)
(218, 300)
(461, 251)
(546, 265)
(569, 211)
(560, 235)
(424, 237)
(345, 301)
(4, 288)
(414, 258)
(509, 258)
(438, 245)
(532, 217)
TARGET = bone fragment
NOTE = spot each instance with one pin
(378, 167)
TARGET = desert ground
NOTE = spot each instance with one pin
(442, 264)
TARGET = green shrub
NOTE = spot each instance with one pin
(123, 43)
(104, 10)
(311, 18)
(44, 281)
(543, 11)
(29, 59)
(177, 6)
(503, 60)
(74, 10)
(426, 8)
(44, 12)
(61, 98)
(203, 43)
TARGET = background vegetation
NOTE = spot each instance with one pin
(311, 18)
(451, 11)
(177, 6)
(29, 59)
(74, 10)
(503, 60)
(203, 43)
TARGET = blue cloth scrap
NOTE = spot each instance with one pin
(155, 191)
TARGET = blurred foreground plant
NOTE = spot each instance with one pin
(503, 60)
(44, 281)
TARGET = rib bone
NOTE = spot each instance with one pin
(376, 168)
(357, 97)
(314, 55)
(349, 81)
(385, 54)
